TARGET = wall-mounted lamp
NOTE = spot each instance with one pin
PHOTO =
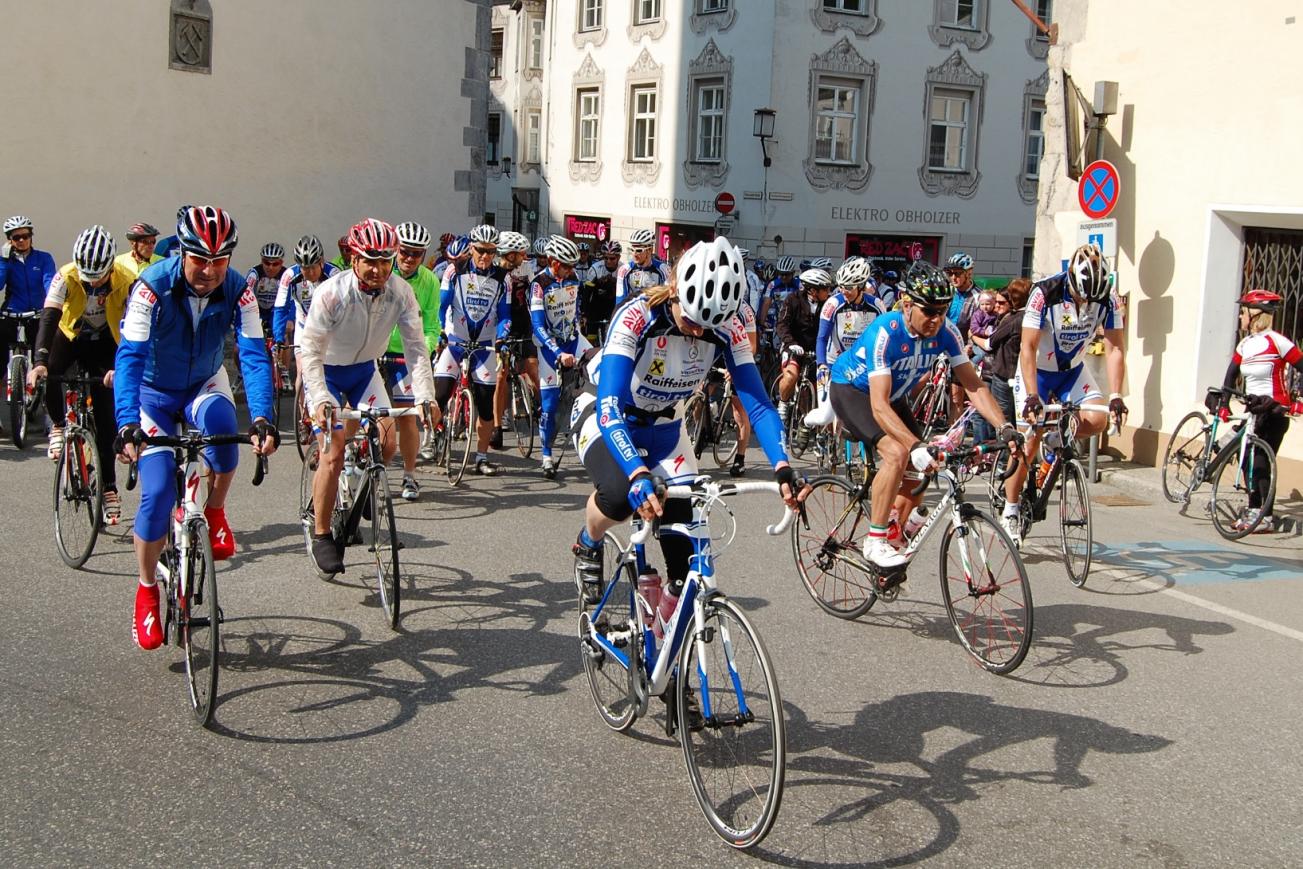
(764, 131)
(505, 164)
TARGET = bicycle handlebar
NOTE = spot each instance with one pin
(23, 316)
(196, 440)
(704, 487)
(949, 457)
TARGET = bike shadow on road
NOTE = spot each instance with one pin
(910, 763)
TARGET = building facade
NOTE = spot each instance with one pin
(1208, 207)
(893, 122)
(298, 116)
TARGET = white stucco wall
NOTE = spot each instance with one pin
(317, 113)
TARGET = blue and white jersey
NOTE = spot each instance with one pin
(887, 349)
(1052, 311)
(841, 323)
(265, 288)
(634, 280)
(294, 297)
(474, 305)
(755, 289)
(554, 314)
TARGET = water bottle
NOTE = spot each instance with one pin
(649, 588)
(1044, 470)
(349, 483)
(893, 529)
(669, 602)
(915, 521)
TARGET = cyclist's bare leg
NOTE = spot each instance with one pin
(531, 371)
(409, 439)
(325, 483)
(501, 392)
(1014, 485)
(389, 443)
(787, 381)
(218, 486)
(147, 553)
(597, 522)
(743, 425)
(893, 457)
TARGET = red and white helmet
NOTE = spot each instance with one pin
(206, 231)
(1262, 300)
(373, 239)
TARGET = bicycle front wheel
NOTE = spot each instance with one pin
(730, 720)
(78, 499)
(725, 443)
(610, 644)
(199, 621)
(461, 429)
(985, 589)
(826, 550)
(802, 403)
(307, 513)
(384, 545)
(522, 414)
(1185, 452)
(1242, 488)
(1075, 529)
(17, 400)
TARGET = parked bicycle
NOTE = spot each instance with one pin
(710, 667)
(24, 403)
(78, 482)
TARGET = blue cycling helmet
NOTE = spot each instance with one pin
(458, 247)
(960, 260)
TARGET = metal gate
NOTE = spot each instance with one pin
(1273, 260)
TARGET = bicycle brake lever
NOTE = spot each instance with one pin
(260, 472)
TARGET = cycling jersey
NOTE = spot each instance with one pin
(1051, 309)
(841, 322)
(25, 280)
(474, 305)
(134, 265)
(554, 314)
(93, 311)
(597, 296)
(633, 280)
(519, 282)
(294, 298)
(264, 287)
(961, 308)
(584, 270)
(425, 286)
(776, 292)
(174, 341)
(1262, 359)
(887, 349)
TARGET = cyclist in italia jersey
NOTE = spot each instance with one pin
(643, 271)
(776, 292)
(844, 317)
(659, 349)
(475, 310)
(512, 248)
(142, 238)
(870, 389)
(554, 315)
(264, 280)
(1063, 314)
(169, 366)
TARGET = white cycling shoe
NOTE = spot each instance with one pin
(822, 415)
(881, 554)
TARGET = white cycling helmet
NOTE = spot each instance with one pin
(412, 234)
(93, 253)
(484, 234)
(743, 252)
(540, 245)
(272, 250)
(563, 250)
(512, 242)
(17, 222)
(642, 239)
(821, 262)
(812, 279)
(308, 250)
(710, 282)
(853, 273)
(786, 265)
(1088, 274)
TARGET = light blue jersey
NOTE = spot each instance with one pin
(887, 349)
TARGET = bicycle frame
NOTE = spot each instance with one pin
(1067, 422)
(19, 347)
(370, 458)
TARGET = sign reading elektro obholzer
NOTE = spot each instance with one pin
(665, 203)
(856, 214)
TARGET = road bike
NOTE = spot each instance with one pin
(931, 402)
(78, 484)
(362, 495)
(192, 617)
(460, 419)
(1195, 456)
(798, 436)
(1059, 467)
(282, 382)
(708, 417)
(707, 662)
(572, 380)
(24, 403)
(984, 584)
(521, 415)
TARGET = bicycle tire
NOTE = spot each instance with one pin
(17, 400)
(802, 403)
(199, 621)
(608, 677)
(560, 438)
(998, 640)
(522, 414)
(385, 546)
(1074, 513)
(696, 417)
(839, 587)
(460, 431)
(1228, 493)
(307, 514)
(78, 498)
(736, 753)
(1185, 451)
(724, 444)
(302, 428)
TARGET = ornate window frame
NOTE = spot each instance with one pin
(1035, 90)
(844, 62)
(862, 24)
(645, 72)
(190, 36)
(531, 103)
(588, 76)
(946, 34)
(528, 71)
(719, 19)
(954, 73)
(710, 65)
(595, 36)
(653, 29)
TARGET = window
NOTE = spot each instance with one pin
(1044, 11)
(588, 103)
(493, 151)
(590, 15)
(961, 13)
(710, 121)
(534, 136)
(1028, 252)
(1034, 147)
(535, 43)
(495, 54)
(948, 131)
(642, 131)
(836, 120)
(646, 11)
(845, 5)
(705, 6)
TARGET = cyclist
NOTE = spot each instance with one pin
(79, 326)
(512, 247)
(142, 238)
(798, 331)
(413, 242)
(457, 255)
(894, 353)
(347, 327)
(474, 308)
(584, 267)
(959, 269)
(264, 279)
(297, 284)
(659, 349)
(1066, 309)
(747, 315)
(25, 276)
(755, 286)
(169, 366)
(842, 320)
(344, 260)
(597, 295)
(439, 261)
(554, 315)
(539, 252)
(1262, 357)
(776, 292)
(643, 271)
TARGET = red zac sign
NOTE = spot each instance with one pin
(582, 228)
(893, 252)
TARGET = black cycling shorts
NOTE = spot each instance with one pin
(855, 412)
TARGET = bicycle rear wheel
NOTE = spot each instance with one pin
(1232, 488)
(307, 513)
(825, 551)
(802, 403)
(78, 498)
(730, 720)
(522, 414)
(607, 672)
(1075, 529)
(460, 430)
(985, 589)
(1185, 453)
(199, 621)
(18, 400)
(302, 427)
(384, 545)
(725, 443)
(561, 438)
(696, 421)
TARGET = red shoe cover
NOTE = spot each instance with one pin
(146, 629)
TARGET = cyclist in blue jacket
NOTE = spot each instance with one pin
(25, 275)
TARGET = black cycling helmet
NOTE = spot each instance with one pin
(927, 285)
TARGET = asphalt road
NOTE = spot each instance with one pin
(1156, 720)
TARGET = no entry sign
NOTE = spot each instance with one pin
(1099, 189)
(725, 203)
